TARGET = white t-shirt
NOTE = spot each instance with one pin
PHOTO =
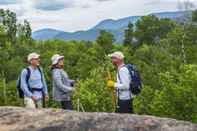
(123, 84)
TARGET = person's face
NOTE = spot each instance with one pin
(35, 62)
(115, 60)
(61, 63)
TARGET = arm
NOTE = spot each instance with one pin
(58, 81)
(24, 85)
(72, 83)
(124, 82)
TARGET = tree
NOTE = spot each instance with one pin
(105, 41)
(178, 96)
(128, 35)
(194, 16)
(3, 36)
(93, 93)
(24, 32)
(9, 21)
(147, 29)
(150, 29)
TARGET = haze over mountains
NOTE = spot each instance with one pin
(116, 27)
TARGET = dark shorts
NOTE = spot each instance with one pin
(66, 105)
(125, 106)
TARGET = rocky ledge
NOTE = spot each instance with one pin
(21, 119)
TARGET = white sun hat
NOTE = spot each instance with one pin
(117, 54)
(55, 58)
(32, 56)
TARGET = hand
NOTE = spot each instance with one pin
(72, 83)
(110, 84)
(46, 98)
(34, 98)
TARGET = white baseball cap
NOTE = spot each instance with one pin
(117, 54)
(32, 56)
(55, 58)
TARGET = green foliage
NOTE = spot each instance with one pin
(105, 40)
(143, 103)
(8, 19)
(194, 16)
(93, 93)
(150, 29)
(128, 38)
(24, 32)
(178, 96)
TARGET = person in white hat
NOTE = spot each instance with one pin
(62, 85)
(122, 86)
(33, 84)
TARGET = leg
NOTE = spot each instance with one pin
(29, 103)
(63, 104)
(69, 105)
(66, 105)
(125, 106)
(39, 103)
(130, 106)
(120, 107)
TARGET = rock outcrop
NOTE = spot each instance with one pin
(21, 119)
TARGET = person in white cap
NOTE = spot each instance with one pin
(62, 85)
(122, 86)
(33, 84)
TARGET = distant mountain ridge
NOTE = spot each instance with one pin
(116, 27)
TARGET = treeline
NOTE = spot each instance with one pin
(163, 50)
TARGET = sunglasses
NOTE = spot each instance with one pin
(36, 59)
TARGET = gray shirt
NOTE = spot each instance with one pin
(61, 85)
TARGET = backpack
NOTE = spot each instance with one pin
(136, 83)
(18, 86)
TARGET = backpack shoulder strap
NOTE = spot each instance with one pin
(119, 73)
(41, 73)
(131, 66)
(131, 69)
(27, 78)
(28, 74)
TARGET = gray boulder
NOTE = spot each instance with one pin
(22, 119)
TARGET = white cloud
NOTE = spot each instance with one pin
(84, 14)
(171, 3)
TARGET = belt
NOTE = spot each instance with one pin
(37, 89)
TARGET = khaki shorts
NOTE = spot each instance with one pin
(29, 103)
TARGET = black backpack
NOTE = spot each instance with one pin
(136, 82)
(18, 86)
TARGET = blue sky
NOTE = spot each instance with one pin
(73, 15)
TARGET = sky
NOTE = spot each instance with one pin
(74, 15)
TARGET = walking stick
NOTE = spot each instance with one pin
(113, 91)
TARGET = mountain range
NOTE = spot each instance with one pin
(116, 27)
